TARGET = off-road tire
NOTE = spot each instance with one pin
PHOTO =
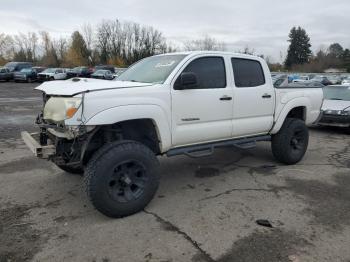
(111, 172)
(290, 143)
(347, 130)
(71, 169)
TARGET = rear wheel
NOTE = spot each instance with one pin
(122, 178)
(290, 143)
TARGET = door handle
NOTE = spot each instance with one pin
(266, 96)
(225, 98)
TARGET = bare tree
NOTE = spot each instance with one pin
(206, 43)
(6, 47)
(61, 47)
(127, 42)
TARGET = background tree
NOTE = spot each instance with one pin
(299, 51)
(50, 57)
(78, 53)
(205, 44)
(346, 59)
(335, 50)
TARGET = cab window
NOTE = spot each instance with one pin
(210, 72)
(247, 72)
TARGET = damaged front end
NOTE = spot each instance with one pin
(62, 144)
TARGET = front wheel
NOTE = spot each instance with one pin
(290, 143)
(347, 130)
(122, 178)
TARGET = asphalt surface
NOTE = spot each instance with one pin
(205, 210)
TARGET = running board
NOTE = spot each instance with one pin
(202, 150)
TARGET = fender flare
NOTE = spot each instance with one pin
(133, 112)
(289, 106)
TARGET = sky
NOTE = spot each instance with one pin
(262, 25)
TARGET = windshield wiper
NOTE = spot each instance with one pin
(336, 99)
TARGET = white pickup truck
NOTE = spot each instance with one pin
(180, 103)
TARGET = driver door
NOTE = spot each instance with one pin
(202, 113)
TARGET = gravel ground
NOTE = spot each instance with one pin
(205, 210)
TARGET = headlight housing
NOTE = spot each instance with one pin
(58, 109)
(337, 112)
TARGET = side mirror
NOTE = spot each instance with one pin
(187, 80)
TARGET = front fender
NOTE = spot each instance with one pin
(296, 102)
(132, 112)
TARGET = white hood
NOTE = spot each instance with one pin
(74, 86)
(335, 105)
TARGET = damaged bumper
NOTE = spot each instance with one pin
(32, 140)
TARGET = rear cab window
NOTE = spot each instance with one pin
(247, 72)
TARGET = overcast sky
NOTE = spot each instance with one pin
(263, 25)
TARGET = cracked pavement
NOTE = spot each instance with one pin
(205, 209)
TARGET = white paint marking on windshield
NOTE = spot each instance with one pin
(164, 64)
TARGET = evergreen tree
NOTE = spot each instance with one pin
(78, 53)
(299, 50)
(346, 59)
(336, 50)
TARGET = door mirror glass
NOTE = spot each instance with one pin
(188, 80)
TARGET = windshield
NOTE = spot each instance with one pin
(100, 72)
(49, 70)
(337, 93)
(154, 69)
(78, 69)
(26, 70)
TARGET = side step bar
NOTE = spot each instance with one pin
(208, 149)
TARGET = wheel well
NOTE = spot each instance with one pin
(140, 130)
(297, 112)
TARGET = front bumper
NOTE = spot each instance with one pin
(335, 120)
(32, 140)
(20, 77)
(43, 78)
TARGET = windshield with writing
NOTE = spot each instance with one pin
(153, 69)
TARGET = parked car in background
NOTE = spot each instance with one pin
(5, 74)
(52, 74)
(118, 71)
(280, 80)
(105, 67)
(80, 71)
(103, 74)
(26, 75)
(346, 81)
(302, 79)
(335, 80)
(322, 79)
(313, 84)
(18, 66)
(310, 84)
(336, 106)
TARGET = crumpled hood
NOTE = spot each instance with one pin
(335, 105)
(76, 86)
